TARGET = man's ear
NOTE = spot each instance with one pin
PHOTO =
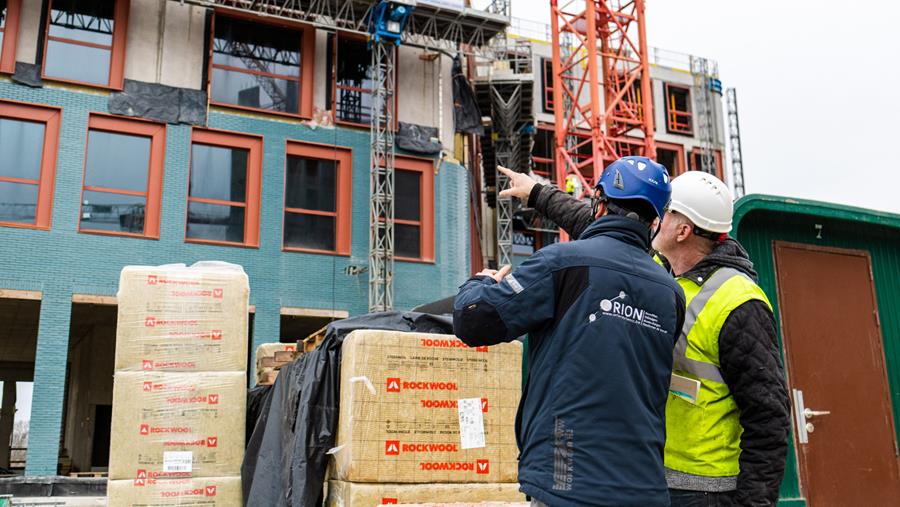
(684, 232)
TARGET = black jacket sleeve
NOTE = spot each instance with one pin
(751, 366)
(573, 215)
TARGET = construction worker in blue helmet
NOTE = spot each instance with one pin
(602, 319)
(728, 415)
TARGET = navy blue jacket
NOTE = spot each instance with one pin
(602, 319)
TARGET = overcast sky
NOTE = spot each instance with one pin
(818, 86)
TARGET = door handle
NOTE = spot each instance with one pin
(809, 413)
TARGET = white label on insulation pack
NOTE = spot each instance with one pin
(471, 423)
(178, 461)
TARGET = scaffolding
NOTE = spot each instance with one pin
(706, 84)
(734, 135)
(381, 180)
(430, 26)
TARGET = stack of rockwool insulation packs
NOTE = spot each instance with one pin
(424, 418)
(179, 399)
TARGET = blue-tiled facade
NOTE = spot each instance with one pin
(62, 262)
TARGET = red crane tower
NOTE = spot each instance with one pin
(601, 85)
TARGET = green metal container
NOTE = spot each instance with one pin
(762, 220)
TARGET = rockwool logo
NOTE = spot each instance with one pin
(152, 280)
(218, 293)
(389, 501)
(140, 482)
(211, 491)
(213, 399)
(393, 385)
(216, 334)
(448, 344)
(212, 442)
(145, 429)
(392, 448)
(148, 387)
(484, 405)
(150, 322)
(482, 467)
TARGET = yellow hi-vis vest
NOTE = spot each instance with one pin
(703, 437)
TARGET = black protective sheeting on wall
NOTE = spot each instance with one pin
(287, 456)
(418, 139)
(159, 102)
(28, 75)
(466, 114)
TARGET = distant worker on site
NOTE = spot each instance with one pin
(602, 319)
(728, 444)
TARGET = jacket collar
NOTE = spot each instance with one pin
(728, 253)
(624, 229)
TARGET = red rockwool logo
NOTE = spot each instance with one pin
(152, 321)
(450, 404)
(147, 364)
(213, 399)
(150, 386)
(141, 478)
(212, 442)
(216, 334)
(161, 280)
(453, 466)
(430, 386)
(395, 385)
(207, 491)
(206, 293)
(146, 429)
(482, 466)
(447, 344)
(149, 476)
(392, 448)
(389, 501)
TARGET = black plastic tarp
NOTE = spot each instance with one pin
(286, 458)
(466, 114)
(159, 102)
(418, 139)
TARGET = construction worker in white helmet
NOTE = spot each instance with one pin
(728, 413)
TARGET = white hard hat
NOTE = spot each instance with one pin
(704, 199)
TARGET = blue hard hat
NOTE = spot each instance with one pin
(637, 178)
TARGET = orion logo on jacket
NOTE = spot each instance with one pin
(619, 307)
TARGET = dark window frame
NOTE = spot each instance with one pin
(333, 86)
(425, 167)
(233, 140)
(547, 79)
(50, 117)
(307, 41)
(156, 132)
(343, 158)
(117, 49)
(678, 121)
(10, 32)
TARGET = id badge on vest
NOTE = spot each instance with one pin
(685, 388)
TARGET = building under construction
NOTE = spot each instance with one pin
(337, 169)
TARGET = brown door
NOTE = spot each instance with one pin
(835, 364)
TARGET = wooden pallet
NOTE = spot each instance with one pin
(267, 378)
(89, 474)
(312, 341)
